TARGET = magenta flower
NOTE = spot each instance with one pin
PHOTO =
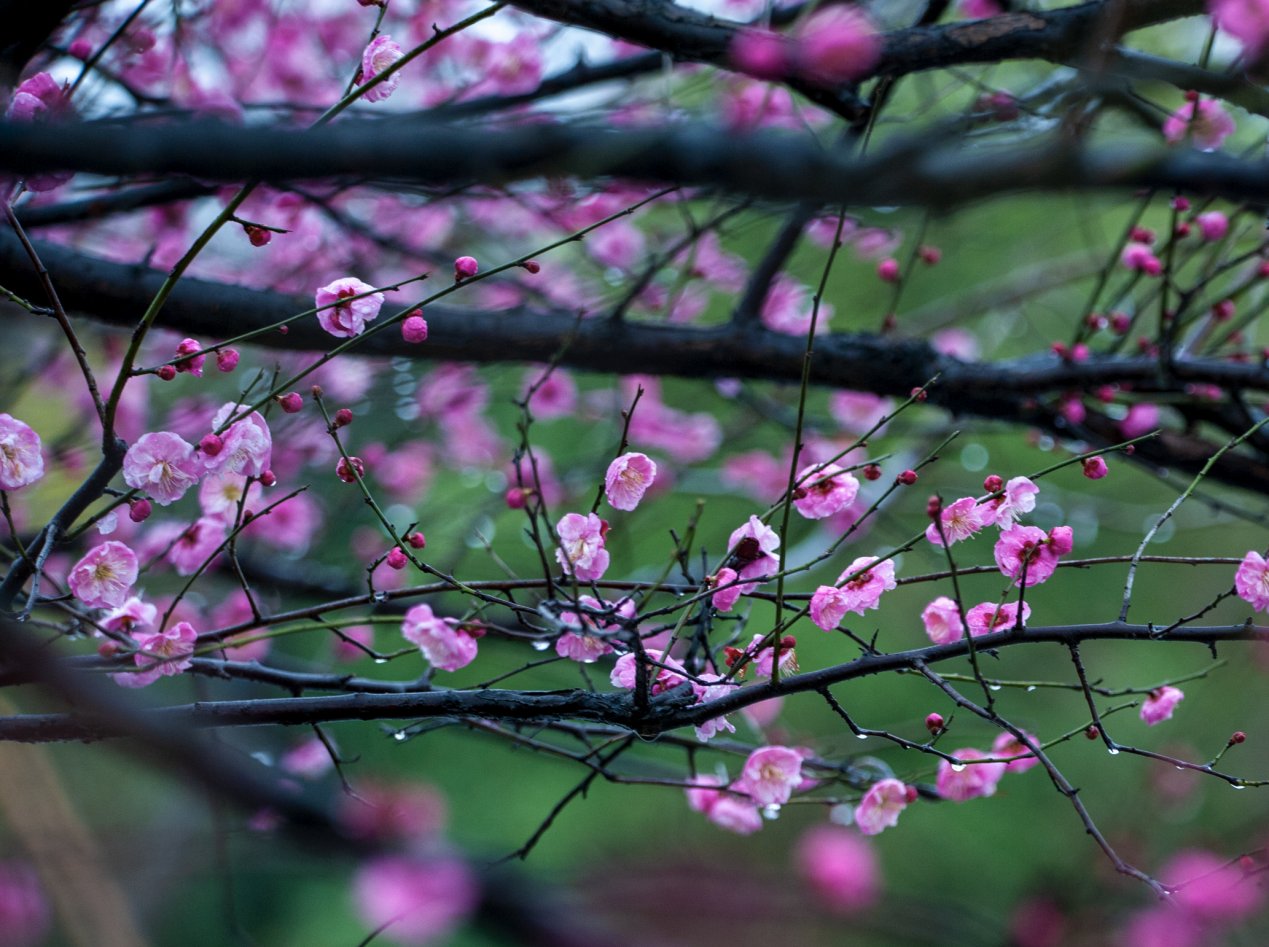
(1245, 20)
(1018, 499)
(830, 603)
(1095, 467)
(942, 621)
(415, 901)
(761, 53)
(1138, 258)
(24, 911)
(968, 780)
(162, 465)
(770, 775)
(1212, 225)
(1252, 581)
(443, 642)
(881, 806)
(1202, 123)
(103, 577)
(753, 547)
(824, 489)
(840, 867)
(165, 653)
(1210, 888)
(1027, 553)
(988, 617)
(628, 478)
(378, 57)
(21, 461)
(340, 314)
(704, 792)
(960, 520)
(1160, 703)
(1141, 418)
(837, 44)
(581, 551)
(1006, 744)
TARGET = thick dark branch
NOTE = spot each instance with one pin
(666, 712)
(1007, 391)
(1056, 35)
(928, 171)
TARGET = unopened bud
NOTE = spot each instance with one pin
(291, 402)
(935, 724)
(907, 478)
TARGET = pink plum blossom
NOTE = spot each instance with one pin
(824, 489)
(1213, 225)
(102, 578)
(1210, 888)
(1160, 703)
(1028, 555)
(789, 308)
(21, 460)
(1018, 499)
(870, 579)
(1006, 744)
(988, 617)
(712, 687)
(1141, 418)
(840, 867)
(942, 620)
(163, 465)
(735, 815)
(1246, 21)
(1139, 258)
(979, 9)
(753, 548)
(1203, 123)
(446, 645)
(379, 56)
(39, 99)
(959, 520)
(664, 672)
(1252, 581)
(581, 551)
(25, 917)
(131, 616)
(1095, 467)
(858, 412)
(881, 806)
(247, 443)
(725, 599)
(627, 479)
(761, 53)
(340, 314)
(552, 394)
(837, 44)
(583, 645)
(415, 901)
(704, 791)
(968, 780)
(770, 775)
(307, 759)
(760, 657)
(165, 653)
(197, 545)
